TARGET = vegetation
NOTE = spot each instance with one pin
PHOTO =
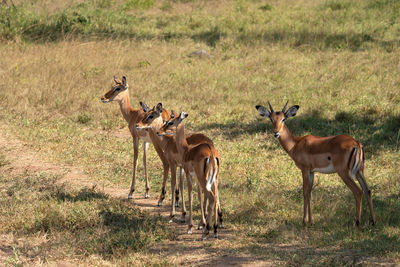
(337, 59)
(354, 25)
(84, 222)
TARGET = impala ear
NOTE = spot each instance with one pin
(263, 111)
(183, 115)
(124, 84)
(159, 108)
(144, 106)
(291, 112)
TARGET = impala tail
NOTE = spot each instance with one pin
(211, 170)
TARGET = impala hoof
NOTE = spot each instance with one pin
(216, 235)
(221, 226)
(130, 196)
(200, 227)
(147, 195)
(176, 205)
(159, 203)
(189, 232)
(203, 237)
(183, 220)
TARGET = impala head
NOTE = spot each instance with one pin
(169, 127)
(277, 117)
(118, 90)
(152, 117)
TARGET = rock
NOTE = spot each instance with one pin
(200, 53)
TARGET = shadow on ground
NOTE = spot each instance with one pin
(374, 132)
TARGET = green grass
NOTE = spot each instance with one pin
(336, 59)
(354, 25)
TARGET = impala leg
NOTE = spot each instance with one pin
(165, 178)
(219, 206)
(173, 185)
(135, 158)
(364, 186)
(165, 163)
(177, 196)
(205, 206)
(145, 149)
(181, 177)
(216, 211)
(210, 207)
(189, 185)
(357, 192)
(220, 214)
(202, 222)
(311, 179)
(306, 196)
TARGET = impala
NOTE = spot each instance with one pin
(119, 92)
(340, 154)
(168, 144)
(153, 119)
(200, 161)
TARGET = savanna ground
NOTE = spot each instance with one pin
(66, 158)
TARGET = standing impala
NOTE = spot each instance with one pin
(119, 92)
(339, 154)
(200, 161)
(168, 144)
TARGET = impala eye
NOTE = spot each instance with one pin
(170, 123)
(150, 117)
(117, 89)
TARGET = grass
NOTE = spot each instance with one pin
(354, 25)
(336, 59)
(76, 223)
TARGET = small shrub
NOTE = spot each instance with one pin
(84, 118)
(265, 7)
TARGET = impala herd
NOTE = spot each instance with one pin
(199, 160)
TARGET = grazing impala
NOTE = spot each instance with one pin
(119, 92)
(339, 154)
(200, 161)
(168, 144)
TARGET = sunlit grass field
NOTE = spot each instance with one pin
(338, 60)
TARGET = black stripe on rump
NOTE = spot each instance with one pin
(351, 157)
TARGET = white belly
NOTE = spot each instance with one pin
(328, 169)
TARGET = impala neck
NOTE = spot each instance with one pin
(157, 140)
(125, 105)
(287, 140)
(181, 142)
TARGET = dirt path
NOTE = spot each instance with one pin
(185, 250)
